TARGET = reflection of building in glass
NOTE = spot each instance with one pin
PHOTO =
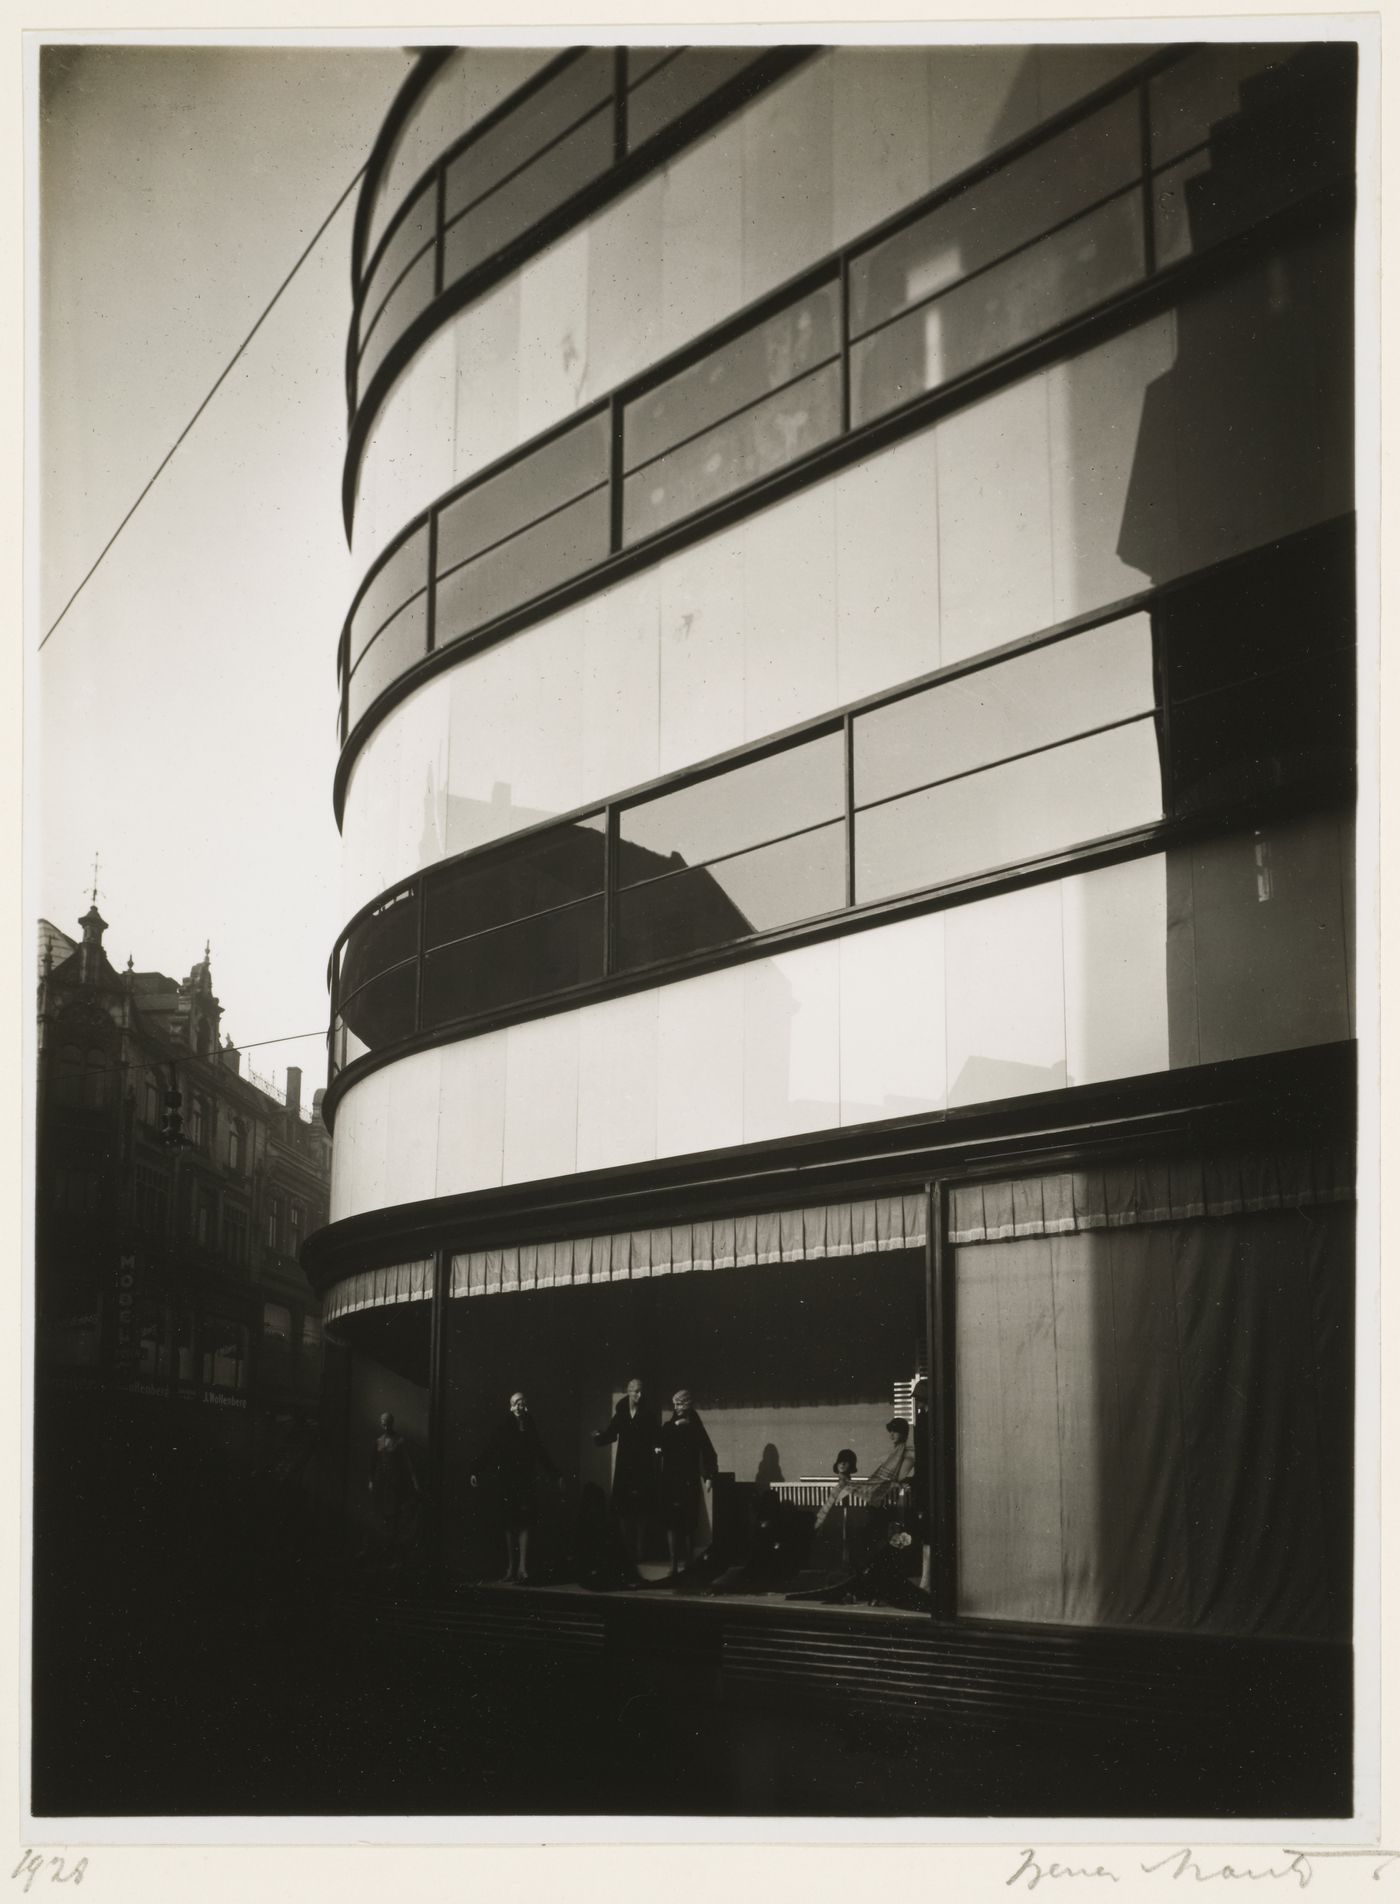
(846, 788)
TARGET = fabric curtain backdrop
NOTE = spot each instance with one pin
(1155, 1424)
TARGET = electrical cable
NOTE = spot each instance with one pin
(208, 399)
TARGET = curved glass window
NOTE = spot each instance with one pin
(967, 278)
(563, 131)
(1213, 697)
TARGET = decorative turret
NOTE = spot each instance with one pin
(91, 961)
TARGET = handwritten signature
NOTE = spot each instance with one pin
(1288, 1867)
(33, 1864)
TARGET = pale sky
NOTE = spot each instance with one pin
(186, 705)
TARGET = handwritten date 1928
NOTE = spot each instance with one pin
(34, 1864)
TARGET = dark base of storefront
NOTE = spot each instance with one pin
(758, 1705)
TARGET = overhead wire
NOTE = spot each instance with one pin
(267, 310)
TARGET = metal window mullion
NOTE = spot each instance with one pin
(609, 880)
(421, 903)
(431, 613)
(615, 446)
(848, 741)
(439, 227)
(843, 303)
(1161, 674)
(943, 1424)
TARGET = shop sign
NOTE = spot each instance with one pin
(128, 1350)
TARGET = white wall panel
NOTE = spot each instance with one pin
(623, 266)
(702, 648)
(790, 612)
(893, 1036)
(1097, 404)
(486, 412)
(700, 1064)
(1115, 966)
(617, 1079)
(471, 1115)
(792, 1043)
(1006, 996)
(702, 259)
(541, 1133)
(788, 160)
(980, 97)
(887, 608)
(995, 546)
(880, 137)
(413, 1102)
(553, 335)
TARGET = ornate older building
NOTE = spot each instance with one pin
(846, 788)
(173, 1198)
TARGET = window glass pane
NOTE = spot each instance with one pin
(524, 492)
(525, 199)
(529, 564)
(1286, 729)
(387, 937)
(416, 228)
(582, 84)
(395, 648)
(766, 438)
(993, 216)
(225, 1354)
(345, 1045)
(526, 960)
(1043, 286)
(778, 794)
(402, 575)
(1189, 100)
(1006, 814)
(772, 886)
(1033, 699)
(692, 76)
(771, 354)
(530, 875)
(383, 295)
(381, 1012)
(412, 294)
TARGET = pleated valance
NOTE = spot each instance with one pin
(374, 1288)
(739, 1242)
(1165, 1191)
